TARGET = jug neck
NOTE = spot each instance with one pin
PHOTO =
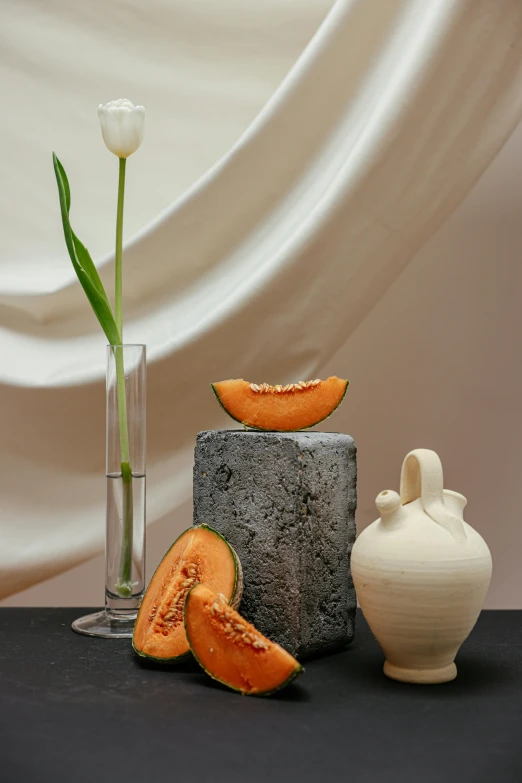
(389, 506)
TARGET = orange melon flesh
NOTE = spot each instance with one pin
(199, 554)
(231, 650)
(278, 410)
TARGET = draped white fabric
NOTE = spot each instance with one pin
(261, 269)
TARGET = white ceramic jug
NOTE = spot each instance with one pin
(421, 574)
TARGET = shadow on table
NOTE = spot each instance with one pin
(187, 666)
(477, 673)
(196, 675)
(473, 674)
(293, 692)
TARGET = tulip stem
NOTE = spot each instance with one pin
(124, 584)
(119, 249)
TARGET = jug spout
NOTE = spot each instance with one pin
(390, 508)
(455, 502)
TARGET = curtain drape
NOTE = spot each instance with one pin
(264, 266)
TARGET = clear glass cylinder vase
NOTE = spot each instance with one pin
(126, 493)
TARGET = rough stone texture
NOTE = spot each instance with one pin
(286, 502)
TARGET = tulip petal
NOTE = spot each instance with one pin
(122, 126)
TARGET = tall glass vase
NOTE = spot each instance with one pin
(125, 471)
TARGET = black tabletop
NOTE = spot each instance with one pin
(78, 709)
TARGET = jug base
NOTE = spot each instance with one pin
(420, 676)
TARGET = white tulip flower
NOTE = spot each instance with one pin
(123, 125)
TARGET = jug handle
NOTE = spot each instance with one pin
(421, 477)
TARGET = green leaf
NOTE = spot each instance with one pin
(87, 263)
(82, 262)
(82, 253)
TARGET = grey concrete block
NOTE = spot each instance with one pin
(286, 502)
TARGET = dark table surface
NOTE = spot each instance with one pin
(78, 709)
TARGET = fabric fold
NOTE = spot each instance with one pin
(265, 266)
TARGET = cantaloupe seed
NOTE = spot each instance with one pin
(221, 619)
(290, 387)
(171, 614)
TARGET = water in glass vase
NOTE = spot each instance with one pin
(125, 543)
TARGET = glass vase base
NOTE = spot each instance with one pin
(106, 625)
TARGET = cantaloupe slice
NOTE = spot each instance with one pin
(200, 554)
(296, 406)
(231, 650)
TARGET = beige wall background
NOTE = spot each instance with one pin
(436, 364)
